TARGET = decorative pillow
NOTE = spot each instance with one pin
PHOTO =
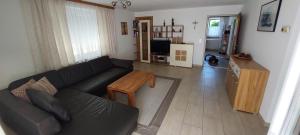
(48, 103)
(44, 85)
(21, 91)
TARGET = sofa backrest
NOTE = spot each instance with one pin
(69, 75)
(101, 64)
(53, 76)
(76, 73)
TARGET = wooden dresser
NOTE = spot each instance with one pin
(245, 84)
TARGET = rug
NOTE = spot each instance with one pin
(152, 103)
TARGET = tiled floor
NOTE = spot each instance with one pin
(201, 106)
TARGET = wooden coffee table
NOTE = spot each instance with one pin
(131, 83)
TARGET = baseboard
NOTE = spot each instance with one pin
(266, 124)
(196, 65)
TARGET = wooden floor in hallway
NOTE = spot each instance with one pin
(201, 105)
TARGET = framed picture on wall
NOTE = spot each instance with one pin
(124, 28)
(268, 16)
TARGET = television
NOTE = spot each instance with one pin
(160, 47)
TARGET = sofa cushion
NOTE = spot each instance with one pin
(94, 115)
(44, 85)
(20, 92)
(53, 77)
(101, 64)
(48, 103)
(75, 73)
(128, 64)
(97, 84)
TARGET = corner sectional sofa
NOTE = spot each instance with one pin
(80, 90)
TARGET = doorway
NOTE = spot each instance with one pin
(221, 40)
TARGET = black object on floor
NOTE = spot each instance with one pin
(212, 59)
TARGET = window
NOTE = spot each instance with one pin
(214, 29)
(214, 23)
(84, 33)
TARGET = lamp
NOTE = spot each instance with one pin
(125, 3)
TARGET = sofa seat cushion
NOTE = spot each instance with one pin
(97, 84)
(92, 115)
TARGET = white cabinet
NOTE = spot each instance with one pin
(181, 55)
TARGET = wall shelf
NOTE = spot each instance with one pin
(173, 33)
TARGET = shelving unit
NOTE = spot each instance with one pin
(173, 33)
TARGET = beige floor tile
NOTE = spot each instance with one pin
(252, 124)
(196, 96)
(232, 124)
(190, 130)
(212, 126)
(172, 123)
(193, 115)
(179, 102)
(212, 109)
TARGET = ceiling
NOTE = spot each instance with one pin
(148, 5)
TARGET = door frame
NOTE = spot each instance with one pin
(140, 18)
(149, 38)
(287, 108)
(206, 30)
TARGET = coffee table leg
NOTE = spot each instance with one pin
(151, 81)
(111, 94)
(131, 99)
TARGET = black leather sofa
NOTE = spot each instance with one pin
(80, 88)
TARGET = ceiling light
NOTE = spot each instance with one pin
(124, 3)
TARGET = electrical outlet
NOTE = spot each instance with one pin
(285, 29)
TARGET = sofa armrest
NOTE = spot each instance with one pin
(128, 64)
(24, 118)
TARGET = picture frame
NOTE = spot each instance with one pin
(268, 16)
(124, 28)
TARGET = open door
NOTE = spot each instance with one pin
(235, 40)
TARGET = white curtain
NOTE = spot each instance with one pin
(62, 33)
(107, 31)
(92, 31)
(83, 27)
(48, 33)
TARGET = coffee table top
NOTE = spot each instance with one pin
(131, 82)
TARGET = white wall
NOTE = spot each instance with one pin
(125, 45)
(15, 58)
(213, 44)
(271, 50)
(186, 17)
